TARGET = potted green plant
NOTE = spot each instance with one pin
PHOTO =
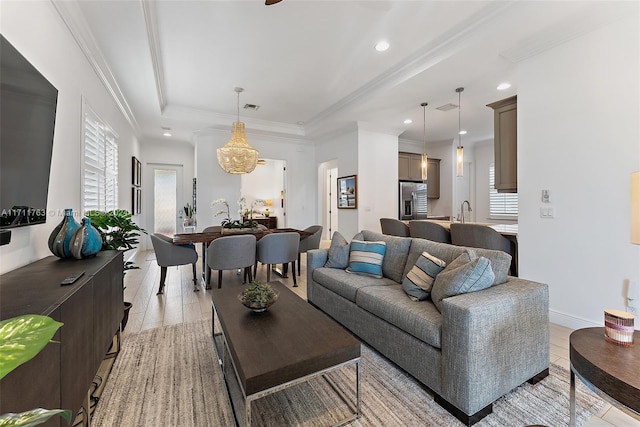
(119, 232)
(189, 212)
(258, 296)
(21, 339)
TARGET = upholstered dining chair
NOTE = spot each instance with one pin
(278, 248)
(168, 255)
(482, 236)
(210, 229)
(394, 227)
(232, 252)
(309, 242)
(429, 230)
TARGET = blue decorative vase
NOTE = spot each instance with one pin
(86, 241)
(60, 237)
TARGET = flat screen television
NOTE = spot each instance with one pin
(27, 118)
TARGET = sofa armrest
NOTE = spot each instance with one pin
(316, 258)
(492, 341)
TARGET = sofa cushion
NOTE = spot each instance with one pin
(338, 256)
(500, 261)
(418, 318)
(419, 281)
(396, 256)
(467, 273)
(344, 284)
(366, 258)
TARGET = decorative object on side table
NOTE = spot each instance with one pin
(189, 212)
(86, 241)
(60, 237)
(258, 296)
(618, 327)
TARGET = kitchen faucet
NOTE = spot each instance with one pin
(462, 210)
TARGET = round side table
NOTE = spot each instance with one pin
(610, 370)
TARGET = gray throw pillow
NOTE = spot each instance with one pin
(419, 280)
(467, 273)
(338, 256)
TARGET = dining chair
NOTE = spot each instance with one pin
(429, 230)
(394, 227)
(232, 252)
(278, 248)
(309, 242)
(168, 255)
(483, 236)
(210, 229)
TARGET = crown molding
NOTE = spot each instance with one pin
(150, 13)
(426, 57)
(209, 119)
(74, 20)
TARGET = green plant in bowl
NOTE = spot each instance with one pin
(258, 296)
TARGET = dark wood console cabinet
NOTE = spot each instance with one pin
(269, 222)
(91, 309)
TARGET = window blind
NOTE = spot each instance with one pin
(501, 204)
(100, 177)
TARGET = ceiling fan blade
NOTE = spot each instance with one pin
(270, 2)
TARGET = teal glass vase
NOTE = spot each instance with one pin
(60, 237)
(86, 241)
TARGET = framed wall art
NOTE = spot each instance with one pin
(348, 192)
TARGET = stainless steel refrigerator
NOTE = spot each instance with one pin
(413, 200)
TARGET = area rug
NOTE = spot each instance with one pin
(170, 377)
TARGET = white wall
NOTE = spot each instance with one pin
(343, 148)
(37, 32)
(214, 183)
(578, 137)
(377, 177)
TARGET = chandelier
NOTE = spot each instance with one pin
(237, 156)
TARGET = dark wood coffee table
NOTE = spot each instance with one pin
(291, 342)
(610, 370)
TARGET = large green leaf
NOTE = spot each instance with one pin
(21, 338)
(33, 417)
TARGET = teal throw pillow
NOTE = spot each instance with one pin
(419, 281)
(366, 257)
(338, 256)
(467, 273)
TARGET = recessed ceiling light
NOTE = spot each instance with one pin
(167, 134)
(504, 86)
(462, 132)
(382, 46)
(408, 121)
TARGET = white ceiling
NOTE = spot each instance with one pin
(311, 65)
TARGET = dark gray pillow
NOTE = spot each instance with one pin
(467, 273)
(338, 256)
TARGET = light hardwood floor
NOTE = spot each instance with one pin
(181, 304)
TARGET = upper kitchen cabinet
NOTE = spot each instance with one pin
(410, 169)
(505, 121)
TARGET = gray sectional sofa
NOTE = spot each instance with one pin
(479, 347)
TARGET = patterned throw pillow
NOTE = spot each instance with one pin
(366, 258)
(338, 256)
(467, 273)
(419, 281)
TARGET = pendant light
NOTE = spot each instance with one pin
(237, 156)
(460, 149)
(425, 160)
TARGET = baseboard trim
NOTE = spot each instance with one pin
(572, 322)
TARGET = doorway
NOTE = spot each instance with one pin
(328, 172)
(164, 198)
(267, 182)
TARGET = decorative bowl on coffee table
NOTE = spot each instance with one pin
(258, 296)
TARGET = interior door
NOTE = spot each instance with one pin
(166, 199)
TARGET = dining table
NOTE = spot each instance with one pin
(207, 237)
